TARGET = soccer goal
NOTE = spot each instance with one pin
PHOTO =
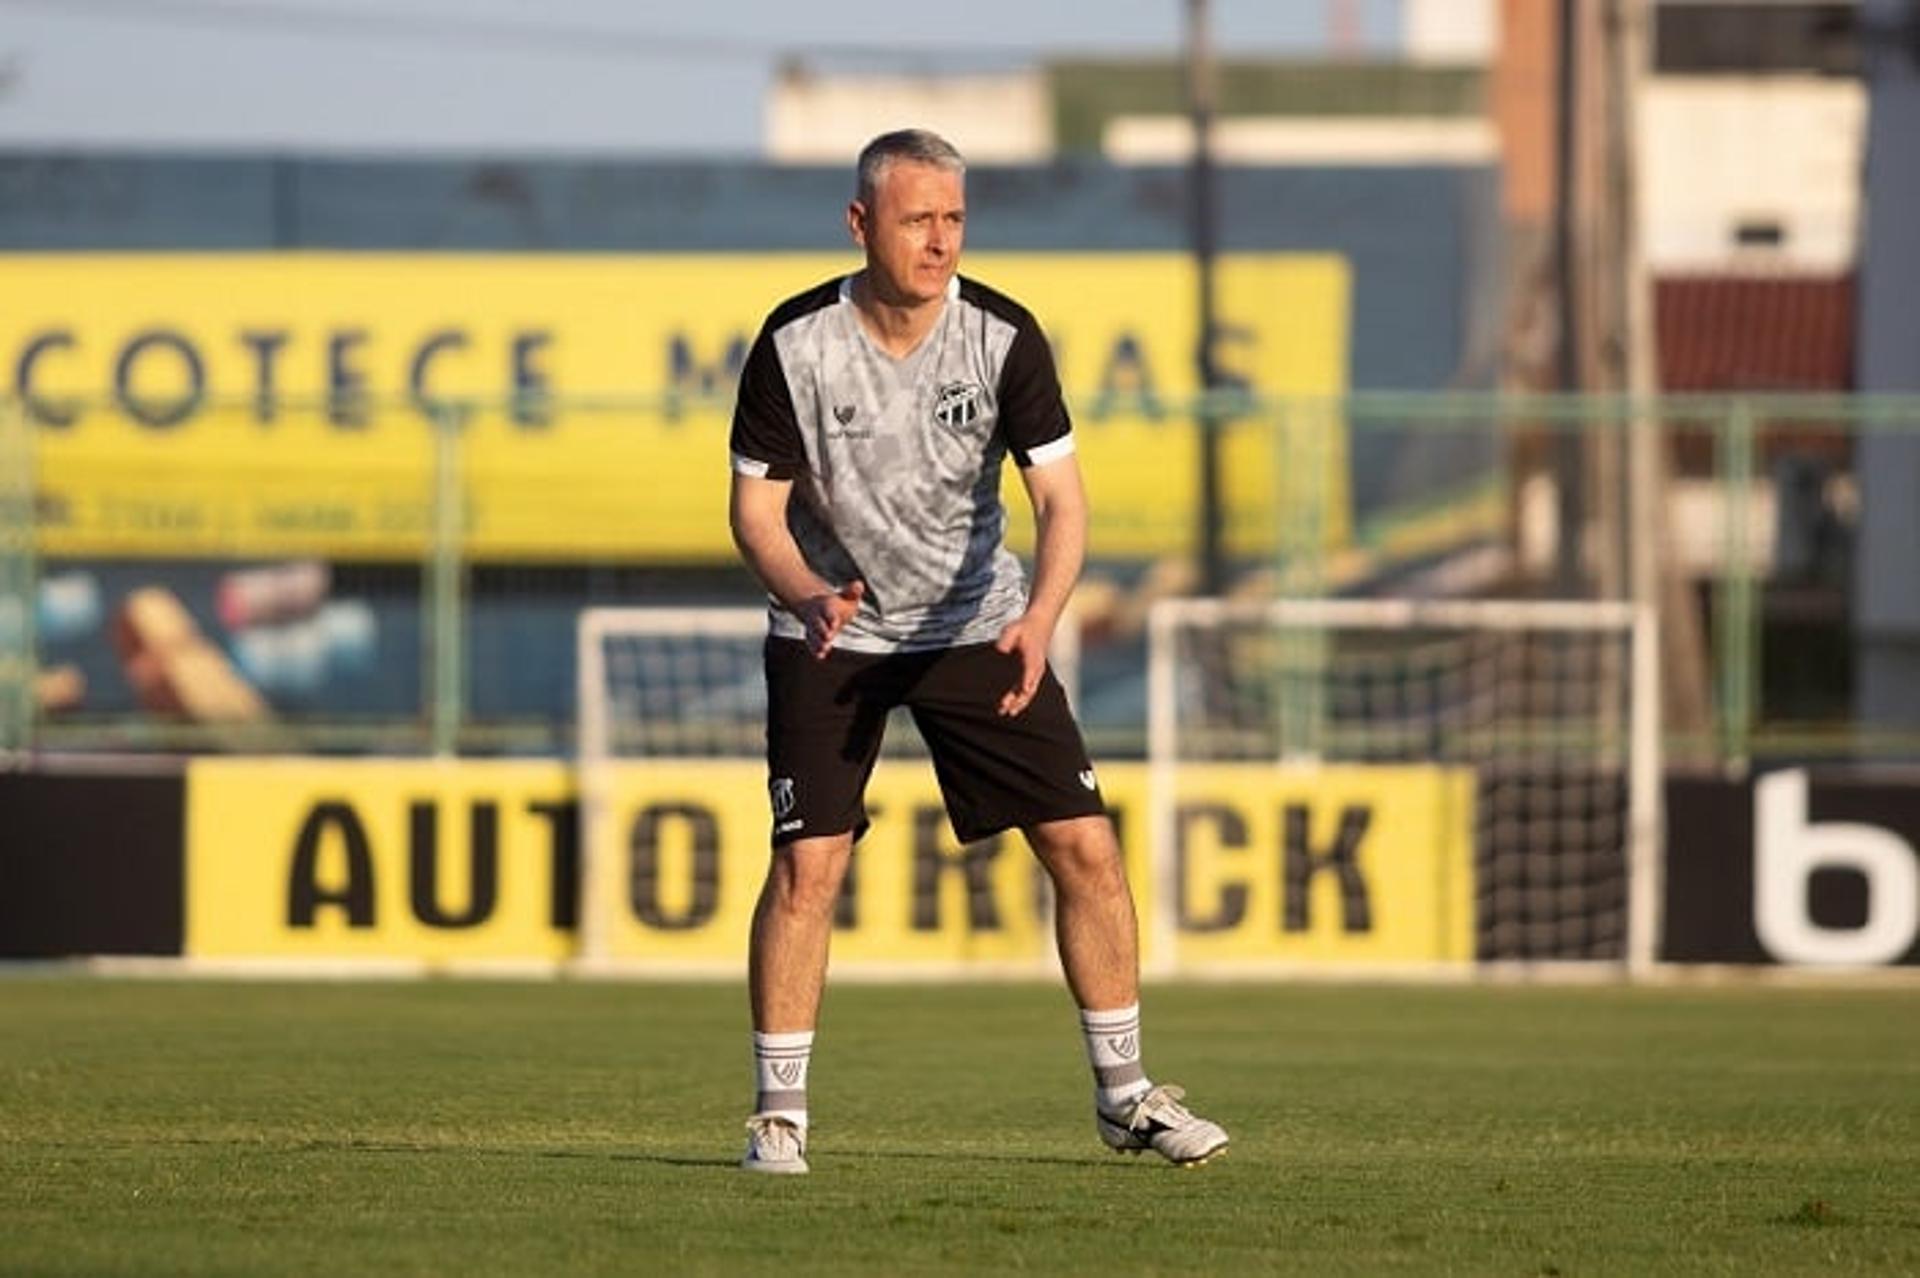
(680, 694)
(1541, 716)
(670, 686)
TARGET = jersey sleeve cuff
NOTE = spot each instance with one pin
(754, 468)
(1051, 451)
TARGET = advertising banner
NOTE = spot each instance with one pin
(477, 860)
(90, 863)
(1808, 868)
(682, 848)
(1368, 864)
(283, 404)
(380, 858)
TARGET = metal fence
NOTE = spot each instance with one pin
(359, 576)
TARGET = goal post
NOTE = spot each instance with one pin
(1547, 713)
(657, 684)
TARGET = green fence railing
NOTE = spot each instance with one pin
(458, 539)
(19, 664)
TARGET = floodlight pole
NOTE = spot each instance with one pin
(1569, 462)
(1200, 104)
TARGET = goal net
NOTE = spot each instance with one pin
(671, 683)
(1544, 713)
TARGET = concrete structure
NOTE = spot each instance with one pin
(993, 117)
(1450, 31)
(1338, 140)
(1751, 171)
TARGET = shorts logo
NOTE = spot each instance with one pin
(1088, 780)
(843, 413)
(780, 790)
(958, 405)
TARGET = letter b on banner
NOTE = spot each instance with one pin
(1789, 849)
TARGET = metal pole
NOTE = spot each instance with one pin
(1200, 100)
(19, 587)
(1646, 473)
(445, 572)
(1568, 445)
(1738, 618)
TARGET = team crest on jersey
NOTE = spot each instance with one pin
(957, 405)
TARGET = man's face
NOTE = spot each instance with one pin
(912, 233)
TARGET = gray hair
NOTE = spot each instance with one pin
(916, 146)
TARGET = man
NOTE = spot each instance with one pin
(873, 417)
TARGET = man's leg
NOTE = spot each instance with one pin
(1096, 930)
(1031, 770)
(1093, 910)
(825, 720)
(786, 970)
(792, 924)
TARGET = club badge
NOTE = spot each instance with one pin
(957, 405)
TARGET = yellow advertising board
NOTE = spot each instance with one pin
(380, 859)
(478, 861)
(679, 851)
(273, 404)
(1342, 863)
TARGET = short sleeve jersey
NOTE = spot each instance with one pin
(895, 463)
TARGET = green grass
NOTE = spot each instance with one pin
(468, 1129)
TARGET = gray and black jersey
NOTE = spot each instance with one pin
(896, 463)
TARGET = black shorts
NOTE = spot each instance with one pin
(825, 720)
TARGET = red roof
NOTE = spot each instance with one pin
(1754, 332)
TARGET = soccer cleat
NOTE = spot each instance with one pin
(1158, 1121)
(775, 1144)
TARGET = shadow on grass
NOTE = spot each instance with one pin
(689, 1160)
(951, 1156)
(489, 1151)
(349, 1145)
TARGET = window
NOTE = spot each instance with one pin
(1758, 232)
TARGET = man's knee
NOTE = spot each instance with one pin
(1079, 851)
(805, 876)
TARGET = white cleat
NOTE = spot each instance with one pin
(775, 1144)
(1158, 1121)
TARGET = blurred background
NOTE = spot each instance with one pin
(354, 349)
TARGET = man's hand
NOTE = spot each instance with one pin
(823, 615)
(1027, 639)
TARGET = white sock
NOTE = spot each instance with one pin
(1113, 1049)
(780, 1074)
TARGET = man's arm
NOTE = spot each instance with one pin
(757, 512)
(1060, 548)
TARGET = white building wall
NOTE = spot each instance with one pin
(1306, 140)
(1002, 118)
(1450, 32)
(1719, 151)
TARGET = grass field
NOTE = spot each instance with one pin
(463, 1128)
